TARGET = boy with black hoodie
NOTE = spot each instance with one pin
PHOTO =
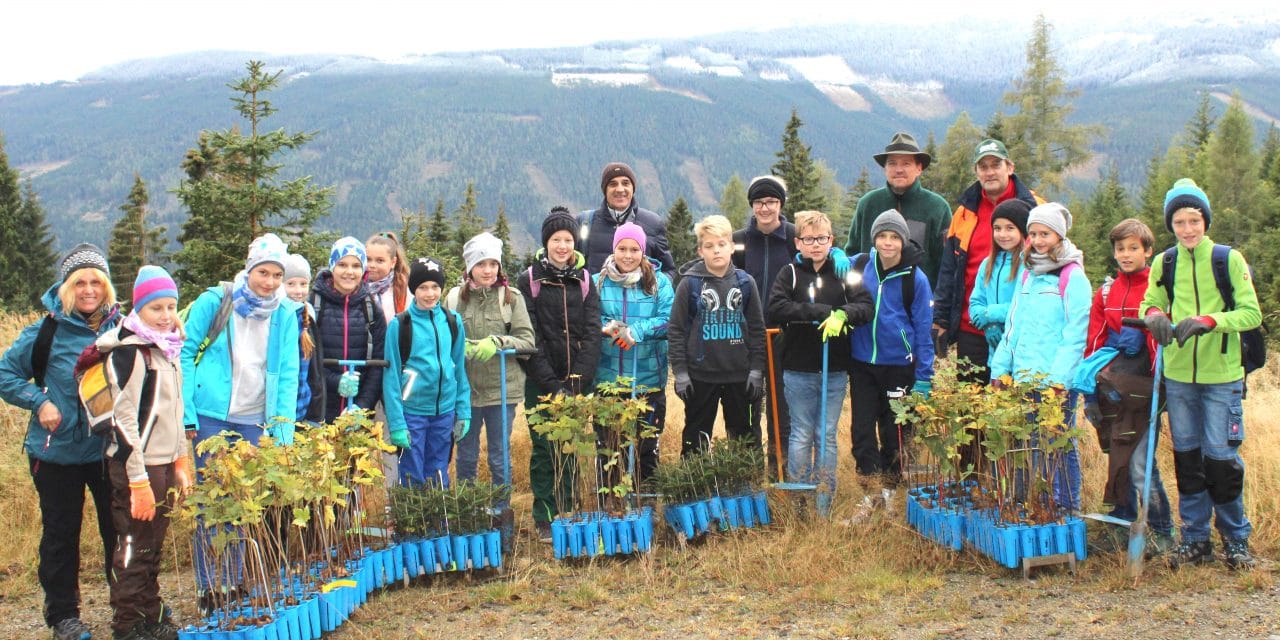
(717, 339)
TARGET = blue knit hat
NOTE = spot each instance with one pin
(346, 246)
(1186, 193)
(152, 282)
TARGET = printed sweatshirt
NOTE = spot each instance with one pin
(716, 332)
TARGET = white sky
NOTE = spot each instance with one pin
(52, 40)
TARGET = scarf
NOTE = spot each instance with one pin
(1042, 263)
(619, 217)
(170, 342)
(379, 287)
(95, 319)
(249, 305)
(628, 280)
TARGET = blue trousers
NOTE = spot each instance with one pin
(490, 418)
(430, 448)
(231, 561)
(803, 390)
(1207, 462)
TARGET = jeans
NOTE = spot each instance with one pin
(804, 391)
(230, 567)
(430, 447)
(61, 488)
(1208, 465)
(468, 454)
(1159, 513)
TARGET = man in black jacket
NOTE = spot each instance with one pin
(618, 182)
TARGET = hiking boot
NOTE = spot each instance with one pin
(544, 531)
(1159, 544)
(1236, 554)
(71, 629)
(1191, 553)
(138, 632)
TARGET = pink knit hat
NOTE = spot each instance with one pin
(630, 231)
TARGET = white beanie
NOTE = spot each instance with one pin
(266, 248)
(485, 246)
(296, 266)
(1052, 215)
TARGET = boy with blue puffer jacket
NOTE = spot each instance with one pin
(426, 394)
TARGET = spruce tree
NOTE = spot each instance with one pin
(929, 180)
(35, 262)
(467, 221)
(952, 167)
(733, 202)
(1201, 125)
(680, 238)
(132, 243)
(11, 234)
(1271, 159)
(438, 230)
(796, 167)
(502, 231)
(1242, 202)
(843, 218)
(1109, 204)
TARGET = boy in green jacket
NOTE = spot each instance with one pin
(1204, 378)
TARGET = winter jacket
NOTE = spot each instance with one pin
(345, 332)
(565, 326)
(207, 387)
(893, 336)
(1123, 298)
(927, 215)
(433, 381)
(1213, 358)
(800, 297)
(310, 372)
(160, 439)
(647, 315)
(714, 336)
(989, 302)
(1045, 332)
(482, 316)
(71, 442)
(951, 296)
(763, 255)
(596, 235)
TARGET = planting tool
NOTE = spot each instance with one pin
(1138, 532)
(352, 365)
(506, 517)
(773, 401)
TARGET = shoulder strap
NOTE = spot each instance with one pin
(451, 317)
(860, 261)
(1169, 261)
(451, 298)
(218, 323)
(1105, 289)
(405, 336)
(909, 292)
(370, 321)
(1222, 276)
(505, 308)
(40, 351)
(743, 280)
(585, 283)
(695, 294)
(1064, 276)
(535, 286)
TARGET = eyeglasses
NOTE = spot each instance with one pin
(812, 240)
(771, 203)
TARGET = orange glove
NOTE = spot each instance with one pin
(142, 502)
(183, 475)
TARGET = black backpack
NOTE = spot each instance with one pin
(1253, 343)
(406, 331)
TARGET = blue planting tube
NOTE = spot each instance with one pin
(623, 532)
(1061, 538)
(761, 500)
(701, 517)
(477, 551)
(397, 563)
(427, 556)
(575, 539)
(591, 537)
(609, 535)
(684, 514)
(745, 511)
(1044, 539)
(444, 553)
(715, 508)
(493, 546)
(458, 552)
(731, 513)
(559, 537)
(643, 528)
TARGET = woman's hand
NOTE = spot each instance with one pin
(49, 416)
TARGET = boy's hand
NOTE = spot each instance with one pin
(1188, 328)
(755, 385)
(1159, 326)
(683, 386)
(839, 261)
(400, 439)
(834, 325)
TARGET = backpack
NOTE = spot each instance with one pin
(40, 350)
(406, 331)
(94, 380)
(218, 323)
(695, 291)
(451, 301)
(1253, 343)
(908, 284)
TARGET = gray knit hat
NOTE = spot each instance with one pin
(83, 256)
(893, 221)
(485, 246)
(296, 266)
(1052, 215)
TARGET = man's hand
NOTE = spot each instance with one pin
(755, 385)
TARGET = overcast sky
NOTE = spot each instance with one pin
(52, 40)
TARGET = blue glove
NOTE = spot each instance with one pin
(922, 387)
(281, 432)
(839, 261)
(1129, 341)
(349, 384)
(994, 332)
(400, 438)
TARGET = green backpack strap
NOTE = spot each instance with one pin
(218, 324)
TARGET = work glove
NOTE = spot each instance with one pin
(400, 438)
(142, 502)
(183, 476)
(1003, 382)
(349, 384)
(623, 339)
(281, 432)
(922, 387)
(839, 261)
(612, 327)
(755, 385)
(1159, 326)
(483, 349)
(834, 325)
(1093, 413)
(993, 332)
(684, 386)
(939, 341)
(461, 427)
(1189, 328)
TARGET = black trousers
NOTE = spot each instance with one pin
(875, 433)
(700, 414)
(783, 428)
(974, 348)
(61, 490)
(135, 596)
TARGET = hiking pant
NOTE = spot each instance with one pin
(552, 474)
(468, 453)
(700, 414)
(1207, 460)
(426, 461)
(61, 488)
(875, 432)
(135, 594)
(230, 561)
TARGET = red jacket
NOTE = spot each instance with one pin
(1124, 294)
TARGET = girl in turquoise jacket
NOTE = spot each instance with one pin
(1000, 273)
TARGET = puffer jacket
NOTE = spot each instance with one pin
(1045, 332)
(482, 316)
(596, 235)
(1212, 358)
(989, 302)
(647, 316)
(802, 296)
(565, 326)
(894, 337)
(763, 255)
(345, 332)
(207, 388)
(160, 439)
(71, 443)
(433, 381)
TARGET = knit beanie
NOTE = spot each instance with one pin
(613, 170)
(425, 270)
(630, 231)
(485, 246)
(767, 187)
(152, 282)
(558, 220)
(296, 266)
(1015, 211)
(1185, 193)
(267, 248)
(893, 221)
(83, 256)
(346, 246)
(1052, 215)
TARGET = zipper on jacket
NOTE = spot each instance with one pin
(875, 322)
(1195, 288)
(431, 320)
(622, 363)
